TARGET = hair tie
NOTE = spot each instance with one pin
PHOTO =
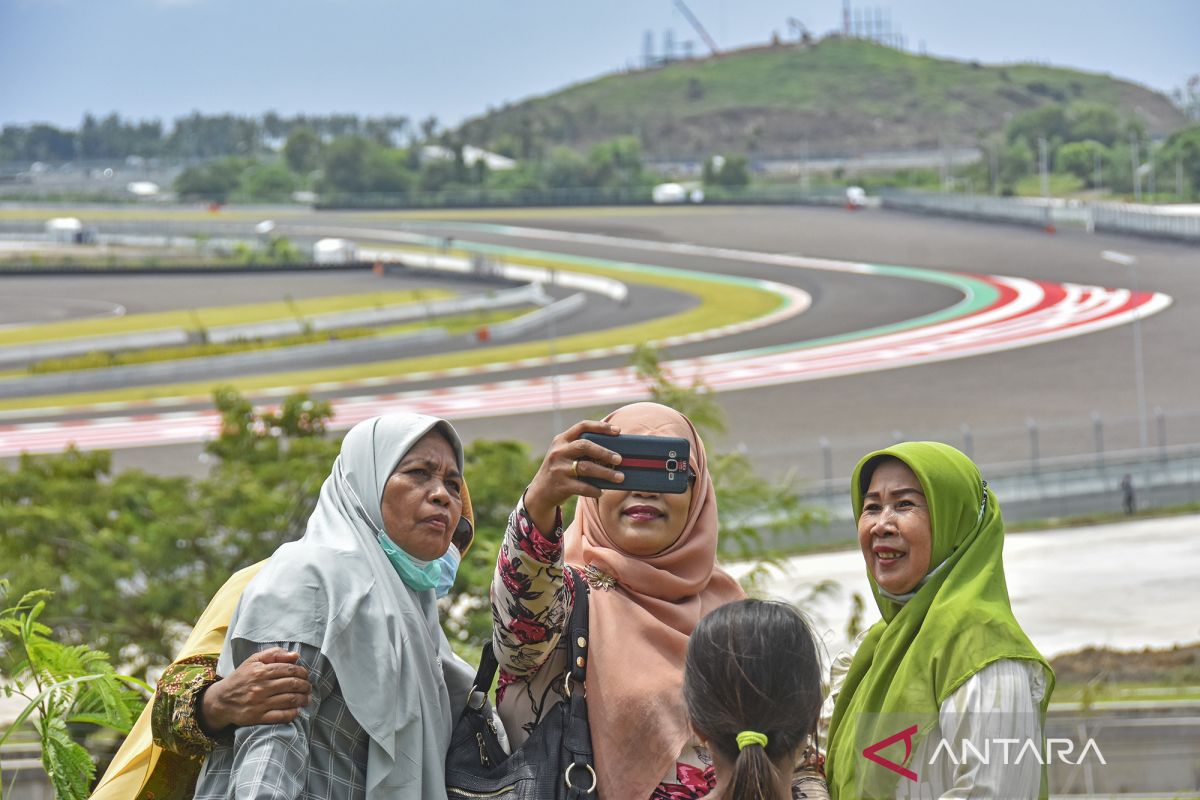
(747, 738)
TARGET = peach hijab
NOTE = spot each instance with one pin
(640, 627)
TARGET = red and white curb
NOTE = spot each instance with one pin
(1024, 313)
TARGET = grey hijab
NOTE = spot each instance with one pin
(335, 590)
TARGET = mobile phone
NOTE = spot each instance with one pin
(650, 463)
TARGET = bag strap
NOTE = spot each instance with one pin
(576, 632)
(580, 772)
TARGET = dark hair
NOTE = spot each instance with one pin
(753, 665)
(868, 470)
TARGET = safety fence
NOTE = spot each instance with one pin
(1103, 217)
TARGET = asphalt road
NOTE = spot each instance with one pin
(1058, 385)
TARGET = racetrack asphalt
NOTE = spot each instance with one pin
(1059, 385)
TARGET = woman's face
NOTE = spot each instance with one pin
(644, 523)
(893, 530)
(422, 499)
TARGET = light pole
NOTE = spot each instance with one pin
(1116, 257)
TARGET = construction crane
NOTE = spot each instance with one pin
(800, 29)
(695, 23)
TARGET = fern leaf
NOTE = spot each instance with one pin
(68, 765)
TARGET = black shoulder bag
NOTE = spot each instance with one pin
(555, 762)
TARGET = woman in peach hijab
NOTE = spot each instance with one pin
(648, 561)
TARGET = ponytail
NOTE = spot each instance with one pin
(752, 684)
(754, 776)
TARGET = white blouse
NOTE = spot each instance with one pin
(996, 710)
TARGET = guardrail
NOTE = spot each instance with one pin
(14, 355)
(1105, 217)
(512, 328)
(1124, 218)
(1159, 478)
(485, 265)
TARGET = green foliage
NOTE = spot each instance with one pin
(696, 402)
(731, 171)
(267, 182)
(302, 151)
(281, 250)
(1094, 122)
(345, 165)
(214, 181)
(387, 170)
(134, 557)
(67, 688)
(1048, 122)
(278, 250)
(1015, 162)
(1183, 147)
(1081, 158)
(616, 162)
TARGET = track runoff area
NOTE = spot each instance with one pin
(995, 313)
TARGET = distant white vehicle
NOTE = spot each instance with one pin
(266, 226)
(856, 197)
(470, 155)
(673, 193)
(69, 230)
(666, 193)
(142, 188)
(334, 251)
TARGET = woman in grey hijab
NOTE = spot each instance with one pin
(355, 596)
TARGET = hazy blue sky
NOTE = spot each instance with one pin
(454, 58)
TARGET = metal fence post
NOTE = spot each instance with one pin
(968, 441)
(827, 458)
(1098, 433)
(1032, 425)
(1160, 422)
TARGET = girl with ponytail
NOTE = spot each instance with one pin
(752, 684)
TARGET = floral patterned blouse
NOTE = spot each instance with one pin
(531, 603)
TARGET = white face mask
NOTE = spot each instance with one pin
(449, 570)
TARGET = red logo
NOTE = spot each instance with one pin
(872, 752)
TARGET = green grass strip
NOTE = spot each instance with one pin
(1118, 692)
(192, 319)
(457, 324)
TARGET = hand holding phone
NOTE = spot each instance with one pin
(569, 460)
(650, 463)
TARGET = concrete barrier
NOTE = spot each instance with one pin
(510, 329)
(597, 284)
(19, 355)
(227, 366)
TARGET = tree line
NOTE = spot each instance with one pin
(194, 136)
(1091, 143)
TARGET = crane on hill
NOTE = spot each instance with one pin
(695, 23)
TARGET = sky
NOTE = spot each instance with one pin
(453, 59)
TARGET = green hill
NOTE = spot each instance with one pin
(835, 96)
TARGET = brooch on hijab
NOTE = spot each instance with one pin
(598, 579)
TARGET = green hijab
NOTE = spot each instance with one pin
(955, 623)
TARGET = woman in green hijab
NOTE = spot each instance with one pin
(946, 695)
